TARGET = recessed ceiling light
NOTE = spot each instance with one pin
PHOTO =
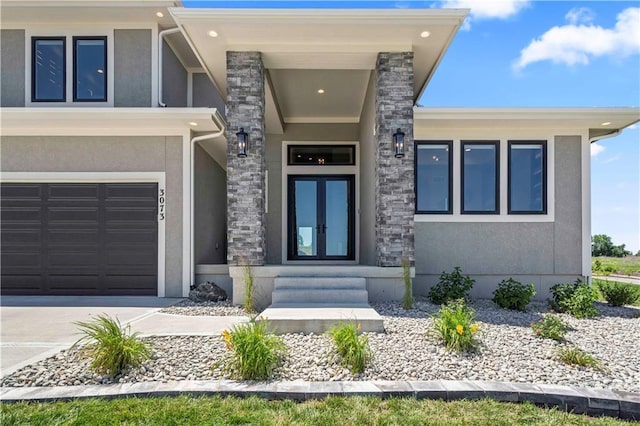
(193, 123)
(321, 91)
(100, 71)
(213, 33)
(606, 123)
(160, 14)
(425, 34)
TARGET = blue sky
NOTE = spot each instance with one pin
(542, 53)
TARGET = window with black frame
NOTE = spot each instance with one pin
(433, 177)
(527, 177)
(480, 182)
(48, 73)
(89, 69)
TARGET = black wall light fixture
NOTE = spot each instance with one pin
(243, 142)
(398, 143)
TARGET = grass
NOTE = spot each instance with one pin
(632, 287)
(576, 356)
(185, 410)
(629, 265)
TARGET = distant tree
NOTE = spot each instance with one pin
(601, 245)
(638, 253)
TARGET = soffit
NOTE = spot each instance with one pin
(314, 39)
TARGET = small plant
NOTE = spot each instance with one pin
(455, 325)
(249, 306)
(576, 356)
(608, 269)
(112, 347)
(352, 349)
(550, 327)
(576, 299)
(512, 294)
(618, 294)
(451, 287)
(255, 353)
(407, 299)
(596, 266)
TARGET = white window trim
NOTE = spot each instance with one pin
(319, 170)
(456, 216)
(104, 177)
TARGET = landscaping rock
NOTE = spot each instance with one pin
(207, 292)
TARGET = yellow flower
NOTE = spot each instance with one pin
(459, 329)
(359, 326)
(474, 328)
(226, 336)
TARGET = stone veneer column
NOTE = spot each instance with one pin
(246, 219)
(395, 198)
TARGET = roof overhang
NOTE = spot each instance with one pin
(331, 39)
(599, 121)
(108, 121)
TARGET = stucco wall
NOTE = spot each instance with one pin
(541, 252)
(210, 209)
(293, 132)
(174, 79)
(110, 154)
(205, 94)
(367, 179)
(12, 51)
(132, 68)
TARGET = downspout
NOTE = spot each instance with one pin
(221, 125)
(161, 35)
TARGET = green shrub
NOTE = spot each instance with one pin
(451, 287)
(407, 299)
(618, 294)
(512, 294)
(576, 356)
(455, 325)
(248, 289)
(550, 327)
(608, 269)
(112, 347)
(255, 353)
(596, 265)
(352, 349)
(576, 299)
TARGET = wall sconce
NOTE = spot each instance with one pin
(398, 143)
(243, 142)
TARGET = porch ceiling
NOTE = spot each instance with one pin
(309, 49)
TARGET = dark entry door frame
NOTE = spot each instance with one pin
(324, 209)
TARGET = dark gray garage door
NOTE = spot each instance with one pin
(79, 239)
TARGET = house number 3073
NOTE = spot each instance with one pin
(161, 201)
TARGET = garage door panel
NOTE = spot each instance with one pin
(76, 192)
(79, 238)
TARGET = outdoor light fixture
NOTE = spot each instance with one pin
(243, 141)
(398, 143)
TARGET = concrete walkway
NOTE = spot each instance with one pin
(34, 328)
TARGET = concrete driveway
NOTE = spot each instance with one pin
(34, 327)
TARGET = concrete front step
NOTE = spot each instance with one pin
(319, 318)
(325, 290)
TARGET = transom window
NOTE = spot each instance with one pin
(433, 177)
(49, 73)
(527, 177)
(321, 155)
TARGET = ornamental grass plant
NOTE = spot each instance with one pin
(455, 324)
(576, 356)
(254, 352)
(111, 347)
(353, 350)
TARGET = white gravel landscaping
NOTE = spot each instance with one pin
(509, 352)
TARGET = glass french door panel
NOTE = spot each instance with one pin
(337, 217)
(306, 218)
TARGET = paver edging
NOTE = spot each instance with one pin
(591, 401)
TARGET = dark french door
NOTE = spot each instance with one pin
(321, 217)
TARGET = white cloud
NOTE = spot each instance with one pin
(580, 15)
(596, 149)
(486, 9)
(579, 41)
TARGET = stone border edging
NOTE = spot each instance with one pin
(595, 402)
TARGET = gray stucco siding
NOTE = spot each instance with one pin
(110, 154)
(132, 68)
(12, 68)
(205, 94)
(174, 79)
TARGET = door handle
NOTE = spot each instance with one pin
(324, 228)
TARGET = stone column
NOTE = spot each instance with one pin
(395, 198)
(246, 219)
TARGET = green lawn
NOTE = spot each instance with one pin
(255, 411)
(629, 265)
